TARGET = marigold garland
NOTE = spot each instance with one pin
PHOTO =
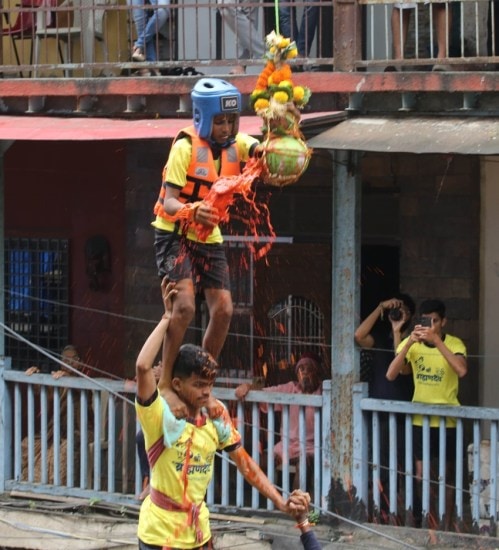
(274, 86)
(284, 155)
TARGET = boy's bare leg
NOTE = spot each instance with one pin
(220, 308)
(400, 20)
(443, 28)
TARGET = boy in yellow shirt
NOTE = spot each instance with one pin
(437, 361)
(181, 451)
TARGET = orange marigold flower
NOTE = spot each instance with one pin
(262, 81)
(283, 73)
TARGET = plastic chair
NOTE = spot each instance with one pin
(22, 29)
(81, 19)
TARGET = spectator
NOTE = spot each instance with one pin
(148, 23)
(71, 358)
(437, 361)
(304, 35)
(309, 381)
(243, 22)
(379, 335)
(401, 17)
(442, 15)
(181, 451)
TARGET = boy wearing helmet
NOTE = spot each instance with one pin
(210, 148)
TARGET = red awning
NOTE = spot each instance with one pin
(46, 128)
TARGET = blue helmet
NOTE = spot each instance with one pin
(212, 97)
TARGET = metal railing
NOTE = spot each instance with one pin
(75, 437)
(469, 41)
(47, 38)
(388, 481)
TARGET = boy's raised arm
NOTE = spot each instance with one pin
(177, 406)
(146, 380)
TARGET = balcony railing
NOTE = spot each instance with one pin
(86, 448)
(90, 38)
(76, 437)
(468, 35)
(383, 469)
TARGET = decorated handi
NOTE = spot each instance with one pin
(276, 99)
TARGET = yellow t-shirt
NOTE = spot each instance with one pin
(178, 164)
(171, 475)
(435, 381)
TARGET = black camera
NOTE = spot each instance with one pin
(395, 314)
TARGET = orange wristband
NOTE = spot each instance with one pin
(302, 524)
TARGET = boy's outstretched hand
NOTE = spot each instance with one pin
(214, 408)
(177, 406)
(168, 293)
(297, 504)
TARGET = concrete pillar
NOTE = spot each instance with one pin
(345, 307)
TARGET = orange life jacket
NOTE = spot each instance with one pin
(201, 172)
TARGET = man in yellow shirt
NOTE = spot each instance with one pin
(437, 361)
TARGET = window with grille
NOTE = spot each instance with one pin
(36, 298)
(296, 326)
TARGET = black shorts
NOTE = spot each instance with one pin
(144, 546)
(180, 258)
(450, 443)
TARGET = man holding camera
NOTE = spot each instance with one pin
(379, 335)
(436, 361)
(381, 332)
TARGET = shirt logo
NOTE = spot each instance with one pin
(201, 172)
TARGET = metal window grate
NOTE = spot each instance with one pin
(36, 297)
(296, 326)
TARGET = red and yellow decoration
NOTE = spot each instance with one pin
(274, 88)
(277, 100)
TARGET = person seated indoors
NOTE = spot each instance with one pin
(70, 366)
(69, 356)
(309, 380)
